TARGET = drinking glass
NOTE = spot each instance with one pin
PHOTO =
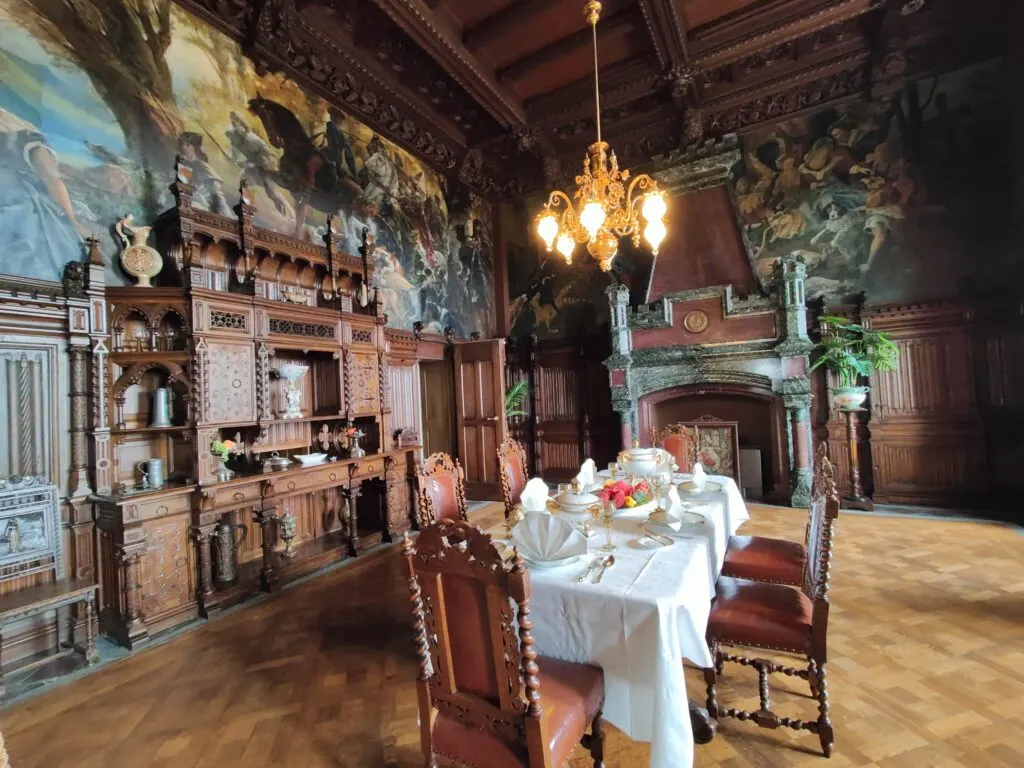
(658, 487)
(613, 469)
(609, 513)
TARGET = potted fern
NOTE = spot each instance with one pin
(853, 352)
(515, 395)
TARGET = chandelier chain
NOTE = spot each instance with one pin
(597, 88)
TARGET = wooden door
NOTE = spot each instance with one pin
(436, 388)
(480, 413)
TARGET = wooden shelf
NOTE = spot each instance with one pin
(168, 487)
(150, 430)
(175, 356)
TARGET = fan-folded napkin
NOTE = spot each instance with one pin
(546, 538)
(535, 496)
(587, 475)
(700, 477)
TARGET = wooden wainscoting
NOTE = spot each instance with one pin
(927, 434)
(569, 413)
(944, 429)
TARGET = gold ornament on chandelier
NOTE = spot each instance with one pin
(608, 204)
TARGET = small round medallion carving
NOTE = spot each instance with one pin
(237, 383)
(696, 321)
(162, 510)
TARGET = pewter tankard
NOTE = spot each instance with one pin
(152, 473)
(226, 546)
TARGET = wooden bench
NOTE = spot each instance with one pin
(30, 544)
(30, 602)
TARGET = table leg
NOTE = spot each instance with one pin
(91, 657)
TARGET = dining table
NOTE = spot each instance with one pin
(646, 614)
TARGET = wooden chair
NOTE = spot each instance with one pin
(514, 474)
(442, 489)
(776, 617)
(776, 561)
(485, 697)
(680, 441)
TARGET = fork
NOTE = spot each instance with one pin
(583, 576)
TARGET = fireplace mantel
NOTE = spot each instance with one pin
(711, 337)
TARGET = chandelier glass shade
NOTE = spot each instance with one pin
(608, 203)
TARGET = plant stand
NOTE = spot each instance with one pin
(856, 499)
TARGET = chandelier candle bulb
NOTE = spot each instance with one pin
(565, 247)
(547, 228)
(654, 233)
(654, 207)
(592, 218)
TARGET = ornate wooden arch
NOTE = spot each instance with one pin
(134, 374)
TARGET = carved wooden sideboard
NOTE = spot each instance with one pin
(233, 304)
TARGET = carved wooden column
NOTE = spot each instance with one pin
(352, 494)
(203, 537)
(397, 517)
(856, 499)
(79, 484)
(266, 518)
(136, 632)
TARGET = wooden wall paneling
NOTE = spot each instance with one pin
(999, 366)
(927, 442)
(404, 398)
(437, 385)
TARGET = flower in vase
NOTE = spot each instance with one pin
(222, 448)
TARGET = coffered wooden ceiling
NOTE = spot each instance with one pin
(501, 91)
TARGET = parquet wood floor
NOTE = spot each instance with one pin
(927, 669)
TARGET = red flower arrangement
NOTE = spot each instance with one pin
(622, 494)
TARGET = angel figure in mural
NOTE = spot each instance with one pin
(317, 176)
(257, 160)
(37, 218)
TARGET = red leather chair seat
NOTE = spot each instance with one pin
(762, 559)
(761, 615)
(570, 694)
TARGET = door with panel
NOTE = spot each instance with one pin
(480, 413)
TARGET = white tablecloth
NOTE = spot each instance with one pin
(649, 612)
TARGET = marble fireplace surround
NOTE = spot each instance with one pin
(709, 338)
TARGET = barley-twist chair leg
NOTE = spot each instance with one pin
(825, 733)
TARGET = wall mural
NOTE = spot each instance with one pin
(900, 203)
(95, 102)
(552, 299)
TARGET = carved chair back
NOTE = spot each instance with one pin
(820, 530)
(514, 474)
(680, 441)
(442, 489)
(473, 639)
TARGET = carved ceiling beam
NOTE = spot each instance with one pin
(492, 27)
(444, 46)
(554, 50)
(620, 83)
(667, 32)
(830, 15)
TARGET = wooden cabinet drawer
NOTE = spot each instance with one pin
(152, 509)
(368, 467)
(232, 496)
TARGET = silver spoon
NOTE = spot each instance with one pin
(607, 563)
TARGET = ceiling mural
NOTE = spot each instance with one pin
(94, 108)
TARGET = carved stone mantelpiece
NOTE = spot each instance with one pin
(757, 345)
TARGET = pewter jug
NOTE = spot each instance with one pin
(226, 546)
(161, 407)
(152, 473)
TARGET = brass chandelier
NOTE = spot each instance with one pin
(607, 208)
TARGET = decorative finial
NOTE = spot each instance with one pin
(592, 11)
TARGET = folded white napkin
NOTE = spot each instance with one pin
(545, 538)
(587, 475)
(679, 513)
(535, 496)
(700, 477)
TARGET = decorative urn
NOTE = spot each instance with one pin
(643, 462)
(138, 259)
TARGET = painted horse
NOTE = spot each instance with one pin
(318, 175)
